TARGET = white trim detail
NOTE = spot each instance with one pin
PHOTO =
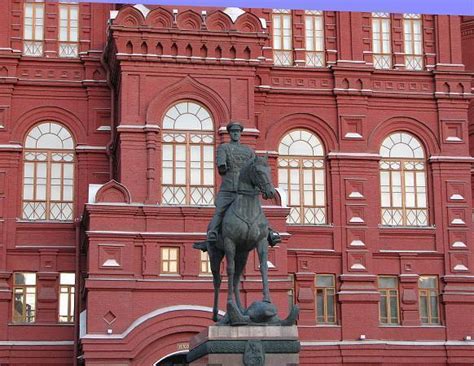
(10, 146)
(356, 195)
(87, 147)
(388, 343)
(357, 243)
(458, 244)
(148, 316)
(460, 267)
(143, 9)
(356, 220)
(36, 343)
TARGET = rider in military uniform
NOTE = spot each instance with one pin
(231, 157)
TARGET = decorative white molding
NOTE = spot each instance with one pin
(389, 343)
(460, 267)
(149, 316)
(357, 243)
(356, 220)
(458, 244)
(353, 135)
(356, 195)
(358, 266)
(234, 13)
(36, 343)
(456, 197)
(143, 9)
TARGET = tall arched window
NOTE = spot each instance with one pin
(48, 175)
(188, 155)
(403, 181)
(301, 175)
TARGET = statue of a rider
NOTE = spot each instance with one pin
(231, 157)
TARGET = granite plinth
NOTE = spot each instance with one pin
(225, 345)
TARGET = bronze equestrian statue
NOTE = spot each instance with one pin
(239, 226)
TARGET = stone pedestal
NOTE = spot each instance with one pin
(226, 345)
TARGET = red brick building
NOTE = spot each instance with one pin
(109, 119)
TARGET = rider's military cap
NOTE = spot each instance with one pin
(231, 124)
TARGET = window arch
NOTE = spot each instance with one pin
(188, 155)
(403, 181)
(301, 174)
(48, 173)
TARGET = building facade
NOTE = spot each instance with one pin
(109, 120)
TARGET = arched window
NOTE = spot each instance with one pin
(301, 175)
(188, 155)
(48, 175)
(403, 181)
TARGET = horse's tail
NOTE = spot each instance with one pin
(292, 316)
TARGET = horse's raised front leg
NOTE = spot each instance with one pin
(240, 262)
(262, 249)
(215, 258)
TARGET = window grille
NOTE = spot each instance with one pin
(412, 32)
(33, 28)
(301, 174)
(188, 155)
(48, 173)
(381, 41)
(403, 181)
(314, 38)
(282, 38)
(68, 29)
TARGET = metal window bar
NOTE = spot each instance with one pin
(402, 214)
(314, 39)
(33, 29)
(178, 193)
(68, 30)
(282, 39)
(381, 47)
(413, 42)
(48, 193)
(302, 212)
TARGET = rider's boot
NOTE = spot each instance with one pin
(203, 245)
(273, 237)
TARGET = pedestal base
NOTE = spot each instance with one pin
(226, 345)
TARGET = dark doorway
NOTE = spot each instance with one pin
(175, 360)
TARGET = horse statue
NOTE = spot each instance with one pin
(244, 228)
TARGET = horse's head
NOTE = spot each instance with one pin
(261, 176)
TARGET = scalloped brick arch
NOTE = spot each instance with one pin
(189, 20)
(48, 114)
(190, 89)
(129, 16)
(406, 124)
(302, 121)
(248, 22)
(113, 192)
(219, 21)
(159, 18)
